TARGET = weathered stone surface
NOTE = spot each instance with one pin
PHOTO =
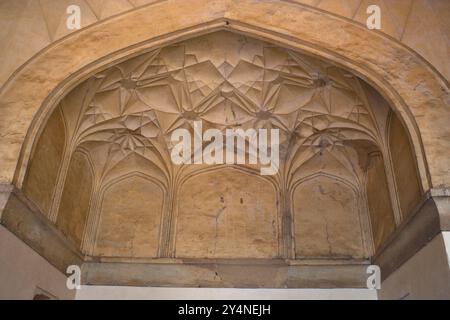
(217, 218)
(371, 56)
(381, 213)
(46, 162)
(235, 275)
(326, 220)
(426, 222)
(135, 204)
(76, 198)
(119, 123)
(364, 134)
(399, 20)
(23, 219)
(130, 219)
(404, 167)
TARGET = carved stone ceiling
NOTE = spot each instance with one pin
(227, 81)
(122, 119)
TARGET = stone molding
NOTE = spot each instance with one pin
(431, 217)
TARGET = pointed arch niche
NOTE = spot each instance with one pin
(101, 175)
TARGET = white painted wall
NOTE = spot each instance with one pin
(22, 270)
(141, 293)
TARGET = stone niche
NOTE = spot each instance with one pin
(130, 218)
(227, 213)
(327, 220)
(101, 172)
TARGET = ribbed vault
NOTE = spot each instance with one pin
(102, 173)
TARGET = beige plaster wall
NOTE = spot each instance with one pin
(217, 218)
(22, 270)
(380, 209)
(326, 220)
(45, 162)
(130, 219)
(405, 171)
(75, 199)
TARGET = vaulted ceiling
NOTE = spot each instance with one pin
(102, 173)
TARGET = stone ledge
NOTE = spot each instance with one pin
(225, 275)
(23, 219)
(430, 218)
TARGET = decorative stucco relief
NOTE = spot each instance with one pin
(122, 118)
